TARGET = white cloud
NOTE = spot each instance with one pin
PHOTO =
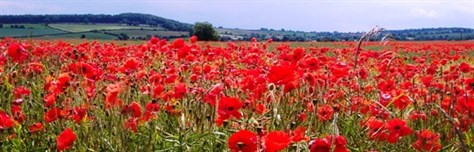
(423, 13)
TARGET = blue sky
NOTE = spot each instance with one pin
(305, 15)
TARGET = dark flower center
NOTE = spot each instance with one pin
(240, 145)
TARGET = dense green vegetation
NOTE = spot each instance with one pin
(402, 35)
(205, 31)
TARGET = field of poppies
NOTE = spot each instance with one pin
(183, 95)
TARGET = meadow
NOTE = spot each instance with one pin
(187, 95)
(71, 31)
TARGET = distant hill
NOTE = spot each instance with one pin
(135, 26)
(132, 19)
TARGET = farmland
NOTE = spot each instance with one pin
(183, 95)
(27, 30)
(88, 31)
(97, 27)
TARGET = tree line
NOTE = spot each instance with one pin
(422, 34)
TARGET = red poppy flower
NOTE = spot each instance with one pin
(339, 142)
(63, 81)
(50, 99)
(132, 64)
(52, 115)
(35, 67)
(180, 90)
(155, 79)
(178, 43)
(276, 141)
(312, 63)
(81, 68)
(324, 145)
(17, 113)
(21, 91)
(112, 95)
(339, 70)
(158, 90)
(281, 74)
(469, 84)
(325, 112)
(298, 134)
(243, 141)
(253, 40)
(302, 117)
(152, 106)
(363, 73)
(135, 108)
(36, 127)
(417, 115)
(401, 102)
(270, 40)
(212, 95)
(16, 52)
(260, 108)
(298, 53)
(376, 129)
(464, 67)
(320, 145)
(78, 114)
(193, 39)
(131, 124)
(5, 120)
(397, 129)
(65, 140)
(386, 86)
(154, 40)
(183, 52)
(427, 141)
(229, 107)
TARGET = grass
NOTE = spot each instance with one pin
(89, 35)
(90, 27)
(28, 26)
(8, 32)
(144, 33)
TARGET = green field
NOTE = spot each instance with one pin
(91, 31)
(9, 32)
(27, 26)
(88, 35)
(145, 33)
(91, 27)
(27, 30)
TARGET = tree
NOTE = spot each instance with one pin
(83, 36)
(205, 31)
(123, 36)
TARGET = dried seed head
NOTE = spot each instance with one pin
(271, 87)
